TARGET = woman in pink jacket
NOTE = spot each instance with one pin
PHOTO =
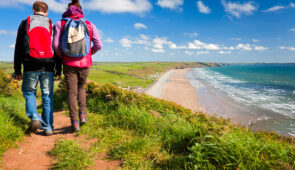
(76, 70)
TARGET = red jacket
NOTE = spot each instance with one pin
(85, 61)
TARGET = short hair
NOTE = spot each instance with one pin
(40, 6)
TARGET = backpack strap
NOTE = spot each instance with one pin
(50, 26)
(63, 23)
(89, 26)
(28, 23)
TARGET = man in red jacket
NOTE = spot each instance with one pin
(33, 51)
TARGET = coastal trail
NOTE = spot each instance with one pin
(32, 151)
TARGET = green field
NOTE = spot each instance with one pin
(126, 74)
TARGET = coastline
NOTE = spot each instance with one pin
(180, 87)
(174, 86)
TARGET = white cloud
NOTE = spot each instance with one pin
(53, 5)
(109, 40)
(202, 52)
(3, 32)
(142, 40)
(292, 5)
(105, 6)
(201, 45)
(6, 32)
(229, 48)
(144, 37)
(287, 48)
(119, 6)
(189, 52)
(292, 29)
(12, 46)
(203, 8)
(260, 48)
(238, 9)
(244, 47)
(125, 42)
(274, 8)
(194, 34)
(255, 40)
(157, 50)
(159, 43)
(237, 39)
(140, 26)
(171, 4)
(224, 52)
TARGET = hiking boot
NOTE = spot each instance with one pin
(83, 118)
(75, 125)
(35, 124)
(48, 133)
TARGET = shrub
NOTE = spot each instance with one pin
(8, 87)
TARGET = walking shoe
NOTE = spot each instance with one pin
(35, 124)
(48, 133)
(83, 118)
(75, 125)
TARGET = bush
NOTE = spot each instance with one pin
(8, 87)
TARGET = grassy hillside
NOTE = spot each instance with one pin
(148, 133)
(134, 74)
(145, 132)
(13, 121)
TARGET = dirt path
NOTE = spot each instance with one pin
(32, 151)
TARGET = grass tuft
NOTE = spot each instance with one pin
(69, 155)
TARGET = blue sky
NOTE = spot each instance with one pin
(175, 30)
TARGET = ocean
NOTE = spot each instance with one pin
(260, 96)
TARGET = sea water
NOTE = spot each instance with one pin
(266, 92)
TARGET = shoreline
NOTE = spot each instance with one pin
(180, 87)
(175, 87)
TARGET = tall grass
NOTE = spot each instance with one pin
(13, 121)
(153, 133)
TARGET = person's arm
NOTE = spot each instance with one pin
(97, 44)
(57, 39)
(19, 51)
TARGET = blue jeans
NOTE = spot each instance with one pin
(29, 88)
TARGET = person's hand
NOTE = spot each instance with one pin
(18, 77)
(57, 77)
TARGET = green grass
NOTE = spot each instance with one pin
(69, 155)
(126, 74)
(13, 122)
(133, 74)
(147, 133)
(7, 67)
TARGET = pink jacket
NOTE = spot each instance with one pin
(83, 62)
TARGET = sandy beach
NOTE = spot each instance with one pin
(174, 86)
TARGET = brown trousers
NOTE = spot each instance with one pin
(76, 80)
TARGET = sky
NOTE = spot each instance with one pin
(230, 31)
